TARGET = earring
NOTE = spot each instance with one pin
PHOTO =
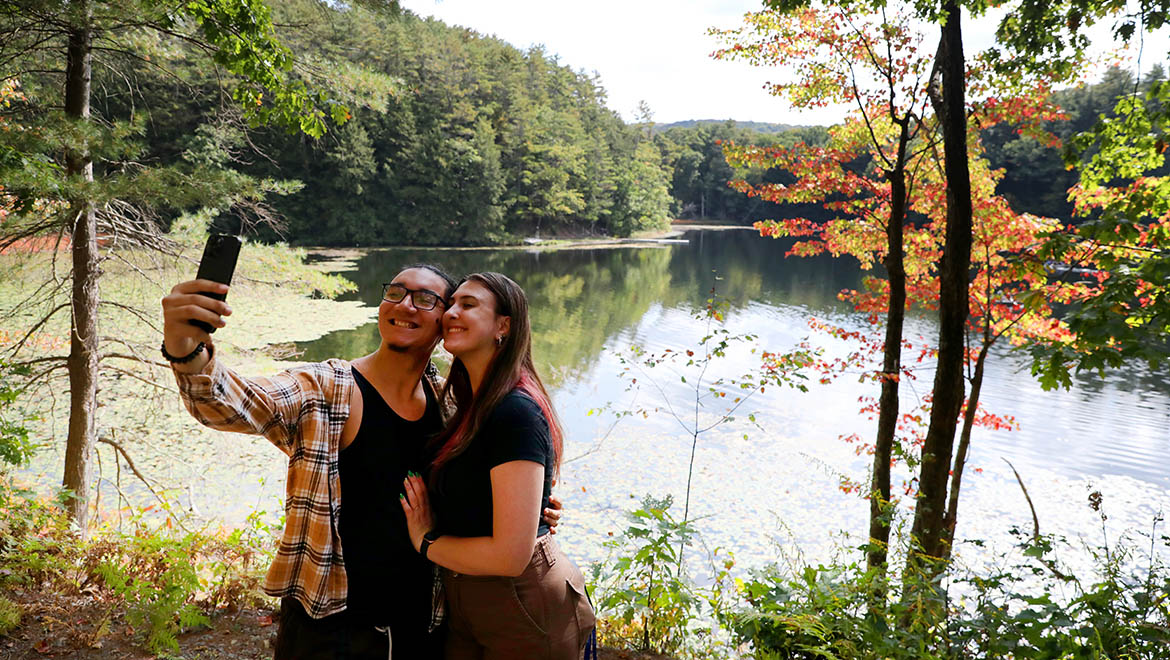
(500, 340)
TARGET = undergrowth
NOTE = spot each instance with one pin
(1031, 607)
(154, 575)
(1028, 605)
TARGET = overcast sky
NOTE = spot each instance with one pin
(658, 51)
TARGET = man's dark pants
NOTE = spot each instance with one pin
(338, 637)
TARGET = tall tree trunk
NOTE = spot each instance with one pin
(928, 529)
(888, 405)
(83, 338)
(952, 515)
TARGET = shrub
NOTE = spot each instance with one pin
(158, 582)
(164, 580)
(647, 602)
(1122, 612)
(825, 612)
(15, 446)
(9, 616)
(36, 544)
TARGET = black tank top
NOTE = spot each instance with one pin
(389, 583)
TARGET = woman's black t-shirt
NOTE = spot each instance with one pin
(515, 431)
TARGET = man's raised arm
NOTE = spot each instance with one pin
(215, 395)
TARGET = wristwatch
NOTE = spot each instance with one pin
(428, 538)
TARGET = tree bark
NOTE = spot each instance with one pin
(83, 336)
(952, 515)
(929, 524)
(888, 404)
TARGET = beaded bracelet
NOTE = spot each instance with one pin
(181, 360)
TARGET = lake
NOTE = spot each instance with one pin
(771, 489)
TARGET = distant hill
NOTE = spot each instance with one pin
(758, 126)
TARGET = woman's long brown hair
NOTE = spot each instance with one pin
(510, 369)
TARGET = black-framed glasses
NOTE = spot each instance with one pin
(423, 299)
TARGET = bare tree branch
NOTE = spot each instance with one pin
(46, 372)
(136, 348)
(41, 360)
(135, 376)
(150, 321)
(141, 477)
(134, 358)
(32, 297)
(1049, 564)
(19, 345)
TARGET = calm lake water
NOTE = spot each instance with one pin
(771, 489)
(768, 490)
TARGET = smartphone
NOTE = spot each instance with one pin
(218, 264)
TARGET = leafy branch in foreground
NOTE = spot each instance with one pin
(647, 600)
(711, 398)
(15, 446)
(1124, 242)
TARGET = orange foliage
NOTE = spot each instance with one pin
(876, 64)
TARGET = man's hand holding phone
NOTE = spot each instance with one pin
(187, 303)
(196, 308)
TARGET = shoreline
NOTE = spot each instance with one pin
(669, 236)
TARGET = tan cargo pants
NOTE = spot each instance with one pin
(543, 614)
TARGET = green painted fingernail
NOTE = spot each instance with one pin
(402, 496)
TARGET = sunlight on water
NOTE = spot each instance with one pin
(776, 492)
(772, 495)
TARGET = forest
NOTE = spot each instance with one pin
(456, 138)
(990, 222)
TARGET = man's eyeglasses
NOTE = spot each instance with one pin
(423, 299)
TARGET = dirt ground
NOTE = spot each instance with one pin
(611, 654)
(67, 629)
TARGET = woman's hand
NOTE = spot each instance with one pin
(552, 513)
(417, 507)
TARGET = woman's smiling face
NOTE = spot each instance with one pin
(471, 324)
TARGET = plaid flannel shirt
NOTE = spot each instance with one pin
(302, 411)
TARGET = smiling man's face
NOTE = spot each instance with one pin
(403, 326)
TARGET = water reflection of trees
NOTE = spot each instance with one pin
(753, 269)
(581, 298)
(581, 301)
(1135, 377)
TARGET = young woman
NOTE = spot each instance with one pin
(511, 592)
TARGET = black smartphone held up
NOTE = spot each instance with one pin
(218, 264)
